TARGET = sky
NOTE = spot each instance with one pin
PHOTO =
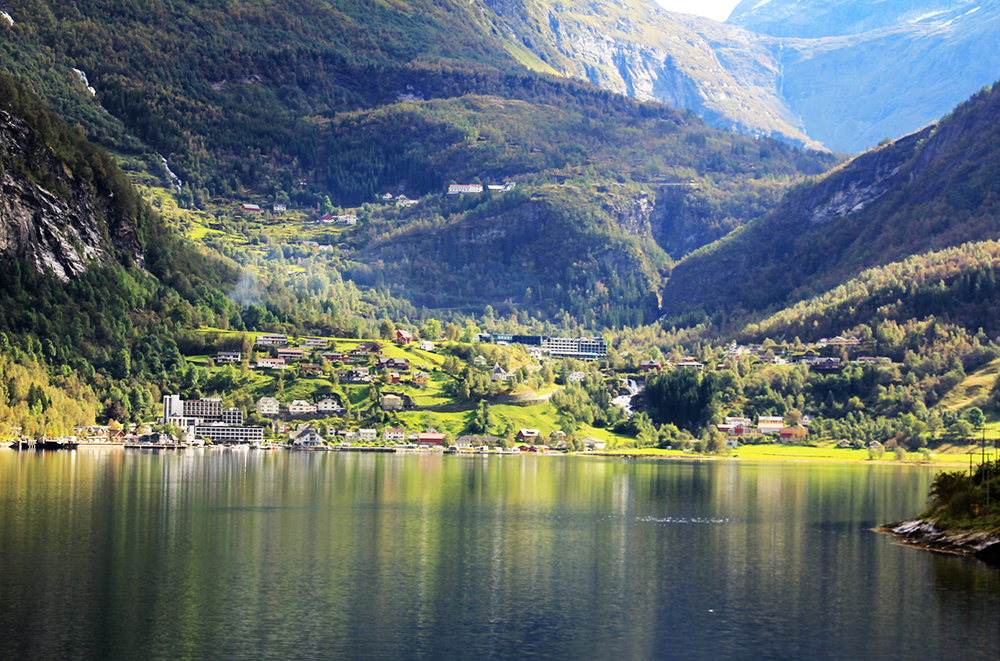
(717, 9)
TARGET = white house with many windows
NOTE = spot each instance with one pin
(268, 406)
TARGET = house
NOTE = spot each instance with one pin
(826, 365)
(770, 424)
(403, 201)
(479, 361)
(594, 443)
(458, 189)
(326, 219)
(793, 434)
(267, 406)
(362, 435)
(387, 196)
(271, 363)
(394, 378)
(577, 377)
(403, 337)
(315, 342)
(469, 442)
(732, 442)
(426, 345)
(278, 208)
(347, 219)
(291, 353)
(328, 405)
(692, 364)
(394, 363)
(428, 439)
(354, 376)
(269, 340)
(250, 208)
(311, 369)
(650, 365)
(527, 436)
(557, 439)
(391, 402)
(334, 356)
(421, 379)
(394, 435)
(499, 373)
(301, 407)
(228, 357)
(736, 420)
(367, 347)
(306, 437)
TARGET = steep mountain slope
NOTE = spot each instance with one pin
(58, 210)
(936, 188)
(857, 72)
(727, 75)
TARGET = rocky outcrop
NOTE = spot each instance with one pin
(58, 225)
(926, 535)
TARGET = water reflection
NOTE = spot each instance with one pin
(302, 555)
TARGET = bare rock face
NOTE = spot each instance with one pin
(926, 535)
(58, 226)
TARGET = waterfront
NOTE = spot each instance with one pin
(206, 554)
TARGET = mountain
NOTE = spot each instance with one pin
(815, 19)
(727, 75)
(836, 74)
(856, 72)
(343, 102)
(934, 189)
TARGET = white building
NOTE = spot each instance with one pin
(272, 363)
(301, 407)
(232, 416)
(394, 435)
(268, 406)
(306, 437)
(458, 189)
(268, 340)
(770, 424)
(328, 405)
(228, 357)
(426, 345)
(315, 342)
(221, 433)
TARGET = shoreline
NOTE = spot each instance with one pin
(920, 534)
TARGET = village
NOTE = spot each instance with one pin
(330, 388)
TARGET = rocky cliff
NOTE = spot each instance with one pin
(725, 74)
(49, 215)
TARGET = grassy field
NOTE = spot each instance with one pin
(950, 456)
(973, 389)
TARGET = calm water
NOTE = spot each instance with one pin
(115, 554)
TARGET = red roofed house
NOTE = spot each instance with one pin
(403, 337)
(527, 435)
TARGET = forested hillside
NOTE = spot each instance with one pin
(931, 190)
(84, 330)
